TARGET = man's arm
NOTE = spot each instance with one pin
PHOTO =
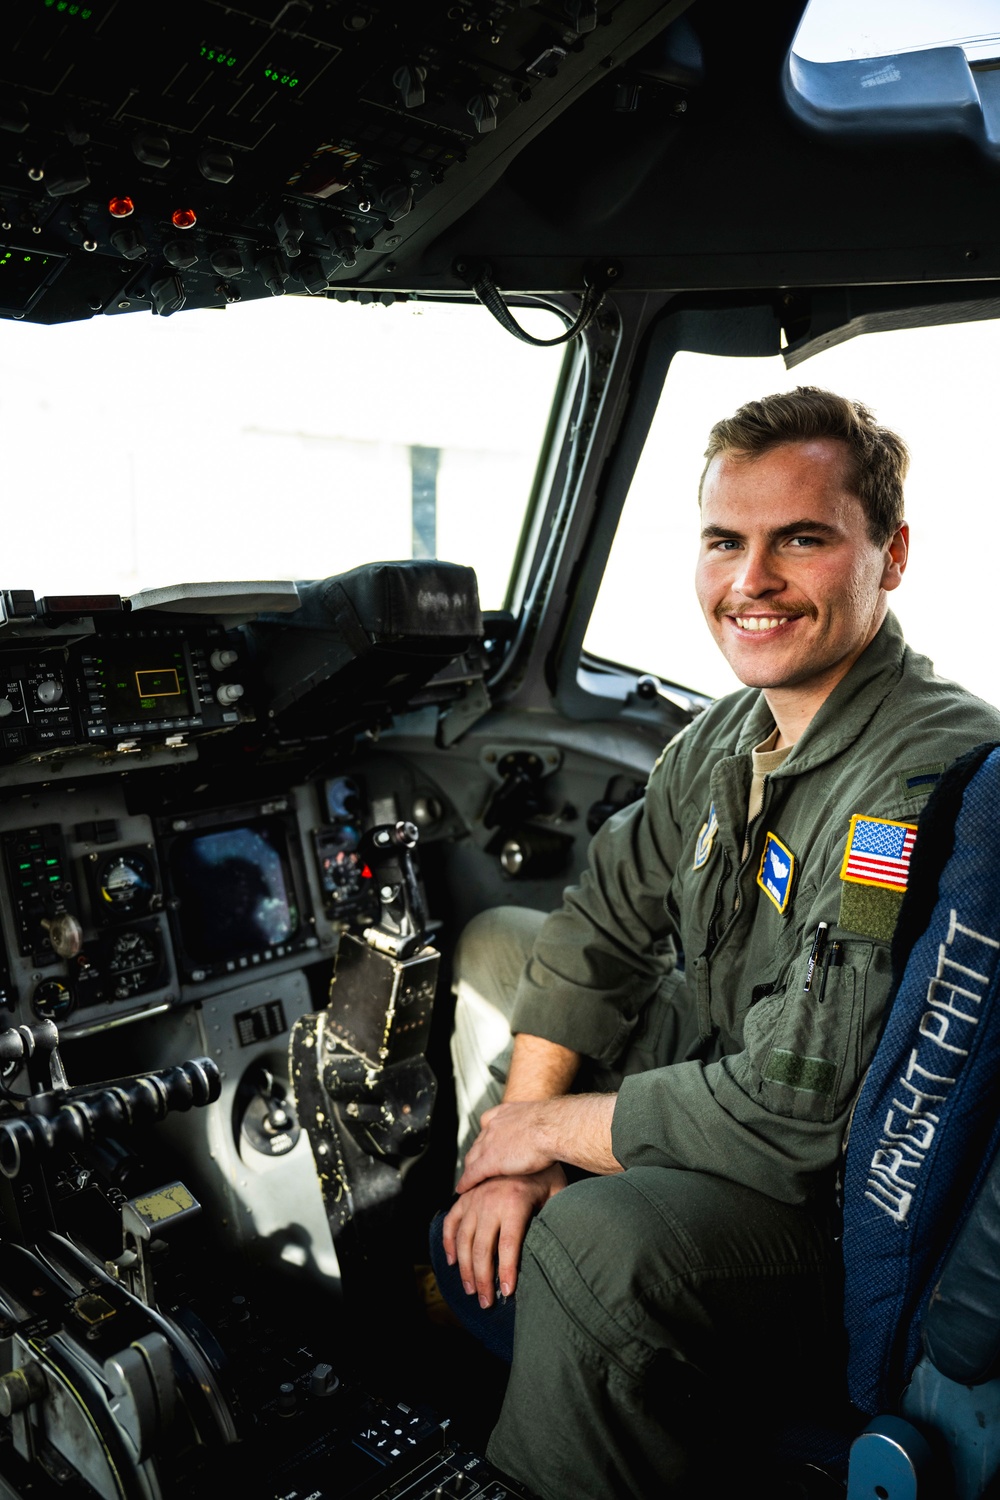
(486, 1227)
(519, 1139)
(539, 1069)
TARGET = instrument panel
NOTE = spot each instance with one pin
(137, 685)
(112, 914)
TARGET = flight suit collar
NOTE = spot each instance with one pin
(849, 708)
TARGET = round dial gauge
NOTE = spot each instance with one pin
(126, 884)
(133, 962)
(52, 1000)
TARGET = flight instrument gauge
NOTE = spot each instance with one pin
(124, 885)
(133, 962)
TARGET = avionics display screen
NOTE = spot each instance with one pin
(235, 889)
(142, 681)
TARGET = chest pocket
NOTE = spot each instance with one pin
(805, 1055)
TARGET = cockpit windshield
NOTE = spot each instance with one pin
(285, 438)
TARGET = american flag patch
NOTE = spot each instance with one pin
(878, 852)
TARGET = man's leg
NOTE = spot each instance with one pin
(660, 1314)
(489, 959)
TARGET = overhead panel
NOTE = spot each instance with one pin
(212, 152)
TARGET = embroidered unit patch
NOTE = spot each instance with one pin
(777, 867)
(878, 852)
(706, 839)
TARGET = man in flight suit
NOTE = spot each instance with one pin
(695, 1268)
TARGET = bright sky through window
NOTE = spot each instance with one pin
(840, 30)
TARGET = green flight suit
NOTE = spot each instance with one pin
(714, 1253)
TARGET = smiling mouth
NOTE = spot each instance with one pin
(760, 624)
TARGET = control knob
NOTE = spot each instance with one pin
(6, 707)
(229, 692)
(397, 199)
(222, 658)
(49, 692)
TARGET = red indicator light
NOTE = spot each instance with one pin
(366, 874)
(183, 218)
(120, 208)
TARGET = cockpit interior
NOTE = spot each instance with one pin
(244, 819)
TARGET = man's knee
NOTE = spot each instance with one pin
(492, 951)
(657, 1259)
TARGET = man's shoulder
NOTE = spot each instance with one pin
(708, 738)
(943, 709)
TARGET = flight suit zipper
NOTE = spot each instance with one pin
(716, 938)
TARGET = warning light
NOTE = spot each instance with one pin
(183, 218)
(120, 208)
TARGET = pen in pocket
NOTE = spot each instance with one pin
(834, 959)
(815, 954)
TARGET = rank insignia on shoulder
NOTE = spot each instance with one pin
(878, 852)
(706, 839)
(777, 866)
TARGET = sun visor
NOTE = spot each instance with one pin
(931, 93)
(365, 638)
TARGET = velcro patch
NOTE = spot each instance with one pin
(812, 1075)
(878, 852)
(869, 910)
(777, 866)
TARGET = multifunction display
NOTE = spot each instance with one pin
(139, 681)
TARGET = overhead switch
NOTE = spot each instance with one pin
(311, 274)
(216, 166)
(14, 116)
(408, 81)
(582, 14)
(397, 199)
(483, 109)
(273, 272)
(288, 228)
(180, 253)
(168, 295)
(152, 150)
(226, 260)
(66, 173)
(129, 242)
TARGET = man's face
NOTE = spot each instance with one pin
(791, 584)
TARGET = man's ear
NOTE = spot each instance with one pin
(896, 552)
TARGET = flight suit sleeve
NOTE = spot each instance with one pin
(772, 1114)
(601, 957)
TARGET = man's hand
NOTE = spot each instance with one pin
(518, 1139)
(485, 1229)
(511, 1143)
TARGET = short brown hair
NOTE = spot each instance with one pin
(878, 458)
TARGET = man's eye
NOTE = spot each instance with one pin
(724, 544)
(805, 541)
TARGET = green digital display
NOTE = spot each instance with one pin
(22, 276)
(138, 683)
(21, 258)
(69, 8)
(286, 80)
(218, 55)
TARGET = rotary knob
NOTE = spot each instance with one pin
(229, 692)
(6, 707)
(223, 658)
(49, 692)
